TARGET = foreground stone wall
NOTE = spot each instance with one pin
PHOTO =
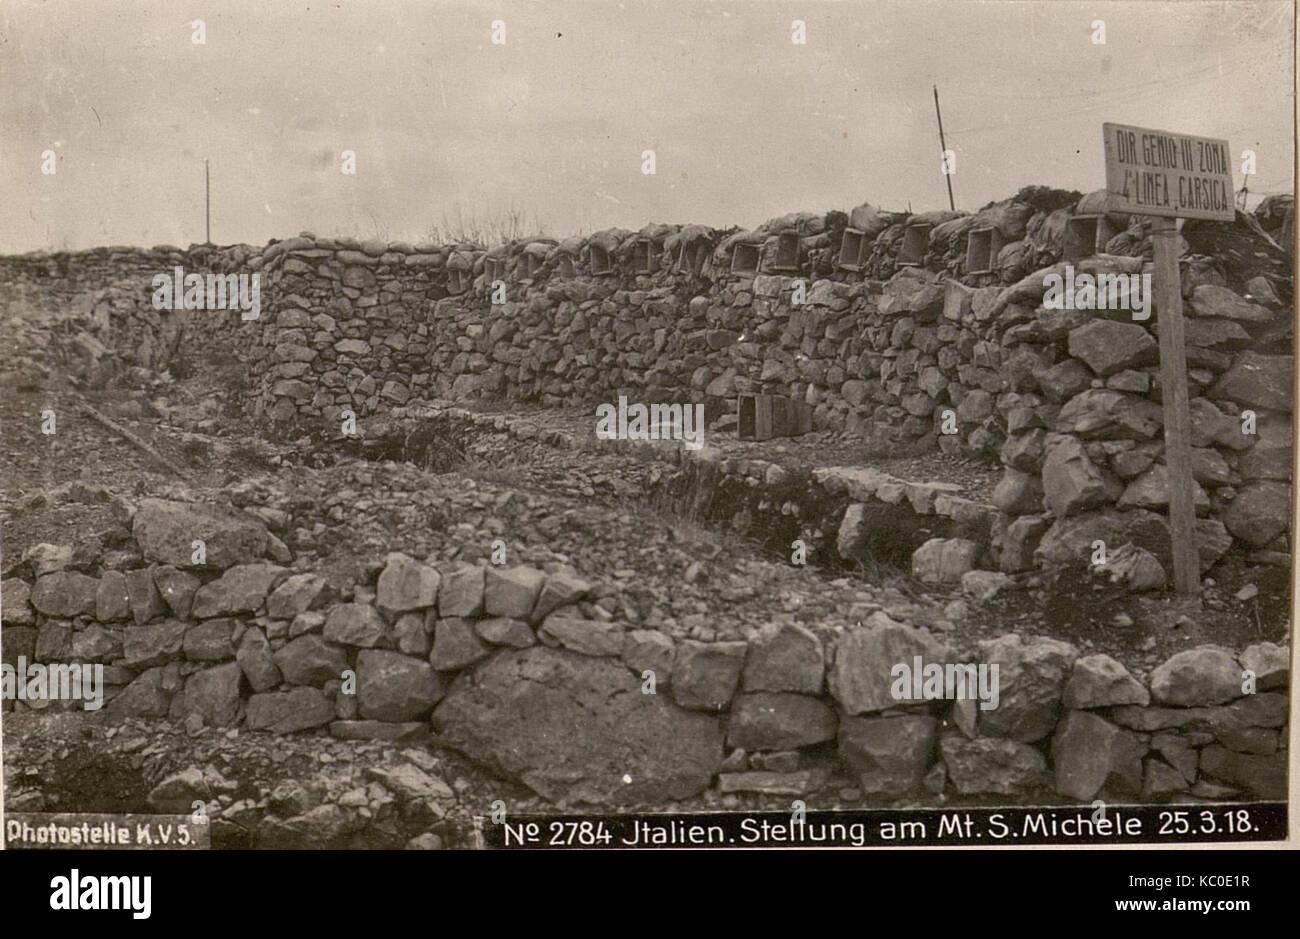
(503, 663)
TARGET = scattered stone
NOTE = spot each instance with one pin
(410, 783)
(944, 560)
(1136, 568)
(177, 794)
(984, 585)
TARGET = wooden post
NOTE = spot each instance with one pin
(1173, 389)
(207, 206)
(943, 147)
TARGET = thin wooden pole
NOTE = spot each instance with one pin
(207, 206)
(943, 148)
(1173, 390)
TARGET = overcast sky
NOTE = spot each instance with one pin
(745, 124)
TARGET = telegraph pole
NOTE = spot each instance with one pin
(207, 206)
(943, 149)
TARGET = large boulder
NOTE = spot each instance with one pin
(166, 532)
(517, 713)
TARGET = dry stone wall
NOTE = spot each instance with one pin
(502, 662)
(1067, 398)
(102, 304)
(922, 327)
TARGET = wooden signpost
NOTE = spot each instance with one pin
(1171, 176)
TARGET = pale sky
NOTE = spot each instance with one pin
(745, 124)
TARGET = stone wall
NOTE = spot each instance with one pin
(886, 325)
(502, 663)
(100, 304)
